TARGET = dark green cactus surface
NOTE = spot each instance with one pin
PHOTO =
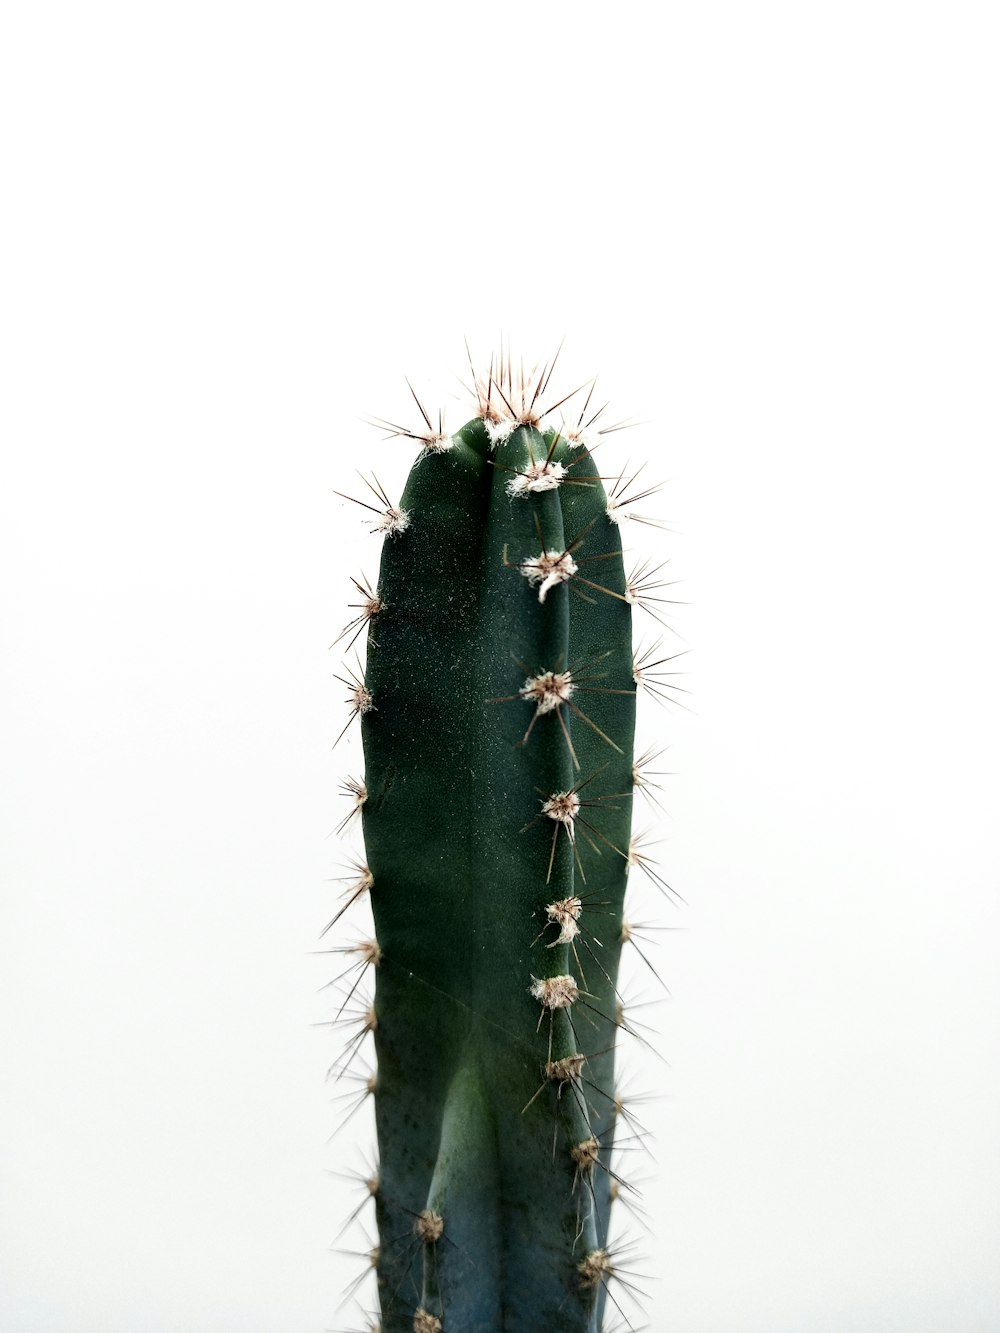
(497, 712)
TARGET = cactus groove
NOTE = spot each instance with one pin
(497, 711)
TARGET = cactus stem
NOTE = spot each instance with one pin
(456, 611)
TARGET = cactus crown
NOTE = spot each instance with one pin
(497, 707)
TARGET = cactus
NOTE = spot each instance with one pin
(497, 707)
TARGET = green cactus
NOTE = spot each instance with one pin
(497, 708)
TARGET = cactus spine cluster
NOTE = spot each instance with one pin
(497, 708)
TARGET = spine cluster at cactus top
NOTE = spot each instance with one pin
(497, 707)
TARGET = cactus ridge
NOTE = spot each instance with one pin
(497, 707)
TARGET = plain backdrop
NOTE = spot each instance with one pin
(228, 232)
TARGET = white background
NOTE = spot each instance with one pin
(228, 232)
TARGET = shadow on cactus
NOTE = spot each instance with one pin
(497, 708)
